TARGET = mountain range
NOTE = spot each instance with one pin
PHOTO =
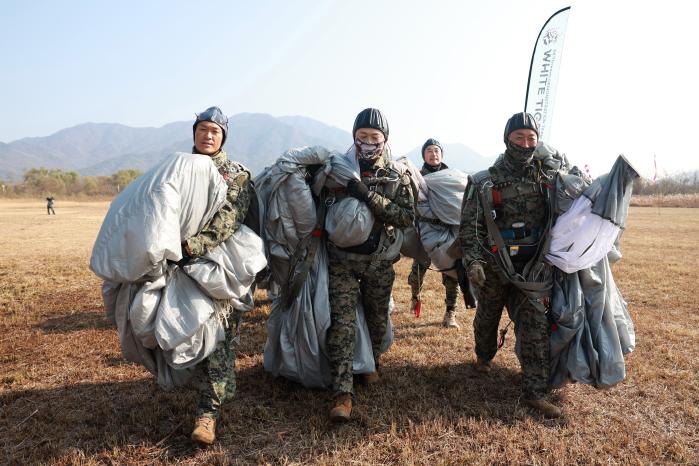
(255, 139)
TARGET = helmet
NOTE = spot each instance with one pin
(431, 142)
(215, 115)
(521, 120)
(371, 118)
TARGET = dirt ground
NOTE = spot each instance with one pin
(68, 397)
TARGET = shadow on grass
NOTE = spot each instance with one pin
(269, 419)
(75, 322)
(39, 426)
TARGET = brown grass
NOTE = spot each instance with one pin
(66, 396)
(666, 200)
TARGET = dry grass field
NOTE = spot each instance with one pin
(67, 397)
(667, 200)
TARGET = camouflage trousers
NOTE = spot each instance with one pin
(533, 331)
(215, 381)
(417, 276)
(348, 281)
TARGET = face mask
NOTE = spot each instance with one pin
(368, 151)
(519, 153)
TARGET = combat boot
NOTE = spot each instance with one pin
(482, 365)
(342, 409)
(449, 320)
(204, 430)
(544, 407)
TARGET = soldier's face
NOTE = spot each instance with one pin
(208, 138)
(369, 135)
(526, 138)
(432, 155)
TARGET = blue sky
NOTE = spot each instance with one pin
(453, 70)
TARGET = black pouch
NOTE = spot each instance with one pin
(367, 247)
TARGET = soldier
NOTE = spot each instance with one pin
(504, 217)
(432, 155)
(216, 379)
(49, 206)
(366, 270)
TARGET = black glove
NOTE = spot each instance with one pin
(185, 257)
(358, 190)
(469, 294)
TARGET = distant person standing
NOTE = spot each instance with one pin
(49, 206)
(432, 156)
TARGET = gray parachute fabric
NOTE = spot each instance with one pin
(593, 328)
(348, 221)
(295, 346)
(172, 208)
(286, 204)
(412, 244)
(170, 318)
(294, 335)
(439, 211)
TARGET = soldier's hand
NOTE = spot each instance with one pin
(186, 255)
(475, 273)
(358, 190)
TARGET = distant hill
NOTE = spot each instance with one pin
(457, 155)
(254, 139)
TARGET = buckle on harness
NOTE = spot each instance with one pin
(381, 172)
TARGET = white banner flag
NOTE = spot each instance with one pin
(543, 71)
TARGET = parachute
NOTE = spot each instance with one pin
(293, 209)
(169, 318)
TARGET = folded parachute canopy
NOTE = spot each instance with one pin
(295, 346)
(170, 318)
(587, 232)
(593, 329)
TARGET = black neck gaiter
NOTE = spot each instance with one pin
(518, 156)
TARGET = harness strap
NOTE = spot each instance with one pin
(432, 221)
(533, 290)
(299, 268)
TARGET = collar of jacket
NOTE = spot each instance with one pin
(430, 169)
(380, 162)
(219, 158)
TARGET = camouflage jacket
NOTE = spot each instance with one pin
(391, 203)
(229, 217)
(521, 194)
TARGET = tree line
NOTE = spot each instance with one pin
(59, 183)
(682, 183)
(55, 182)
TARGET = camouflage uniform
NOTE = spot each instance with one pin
(519, 195)
(417, 276)
(216, 379)
(352, 272)
(418, 270)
